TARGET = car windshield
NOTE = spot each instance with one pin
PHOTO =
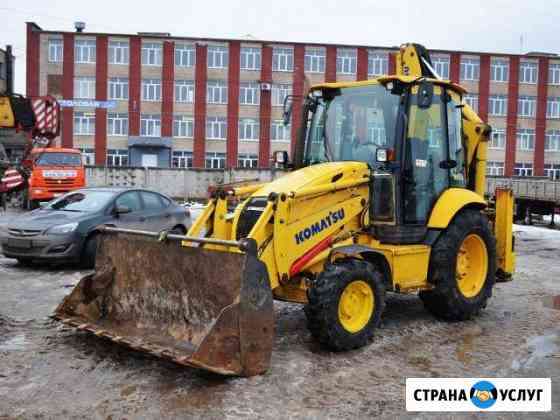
(82, 201)
(58, 159)
(351, 123)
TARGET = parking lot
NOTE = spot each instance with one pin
(49, 371)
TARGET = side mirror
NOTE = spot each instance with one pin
(118, 210)
(281, 158)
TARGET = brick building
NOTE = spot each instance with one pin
(156, 99)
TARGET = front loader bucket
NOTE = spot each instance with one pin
(203, 308)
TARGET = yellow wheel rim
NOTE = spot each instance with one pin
(472, 266)
(355, 306)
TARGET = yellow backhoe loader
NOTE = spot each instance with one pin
(384, 194)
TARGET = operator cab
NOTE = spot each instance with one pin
(414, 125)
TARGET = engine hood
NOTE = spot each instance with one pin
(315, 175)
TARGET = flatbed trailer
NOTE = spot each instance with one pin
(533, 195)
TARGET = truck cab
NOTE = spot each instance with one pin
(53, 172)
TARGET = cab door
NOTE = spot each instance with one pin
(433, 151)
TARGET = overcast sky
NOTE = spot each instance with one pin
(486, 25)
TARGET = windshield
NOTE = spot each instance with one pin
(58, 159)
(82, 201)
(351, 123)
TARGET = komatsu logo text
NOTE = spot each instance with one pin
(332, 218)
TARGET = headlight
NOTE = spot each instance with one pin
(62, 229)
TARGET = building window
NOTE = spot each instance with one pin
(88, 155)
(279, 131)
(216, 92)
(247, 160)
(526, 106)
(523, 169)
(117, 124)
(249, 93)
(494, 168)
(554, 74)
(528, 72)
(118, 52)
(84, 87)
(248, 129)
(250, 58)
(118, 88)
(282, 59)
(499, 70)
(471, 100)
(498, 139)
(152, 54)
(181, 159)
(55, 50)
(215, 160)
(552, 171)
(279, 92)
(84, 51)
(552, 141)
(378, 63)
(525, 139)
(185, 55)
(441, 66)
(117, 157)
(151, 90)
(346, 60)
(216, 128)
(217, 57)
(470, 68)
(315, 60)
(184, 91)
(553, 108)
(150, 125)
(84, 123)
(183, 126)
(497, 105)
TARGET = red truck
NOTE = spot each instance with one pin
(53, 172)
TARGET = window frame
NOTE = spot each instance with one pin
(184, 88)
(530, 68)
(121, 118)
(56, 46)
(283, 59)
(346, 61)
(117, 48)
(216, 123)
(150, 125)
(249, 90)
(185, 55)
(79, 82)
(248, 125)
(250, 55)
(315, 60)
(151, 54)
(470, 69)
(149, 87)
(183, 124)
(83, 119)
(213, 86)
(499, 67)
(118, 85)
(217, 57)
(85, 51)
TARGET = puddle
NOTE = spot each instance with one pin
(16, 343)
(551, 302)
(539, 347)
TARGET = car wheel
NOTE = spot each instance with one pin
(26, 262)
(178, 230)
(90, 249)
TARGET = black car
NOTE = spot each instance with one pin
(65, 229)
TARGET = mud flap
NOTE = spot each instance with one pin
(203, 308)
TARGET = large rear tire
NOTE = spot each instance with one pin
(345, 304)
(462, 268)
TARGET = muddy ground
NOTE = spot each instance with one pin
(50, 372)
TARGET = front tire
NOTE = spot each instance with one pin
(462, 268)
(88, 254)
(345, 304)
